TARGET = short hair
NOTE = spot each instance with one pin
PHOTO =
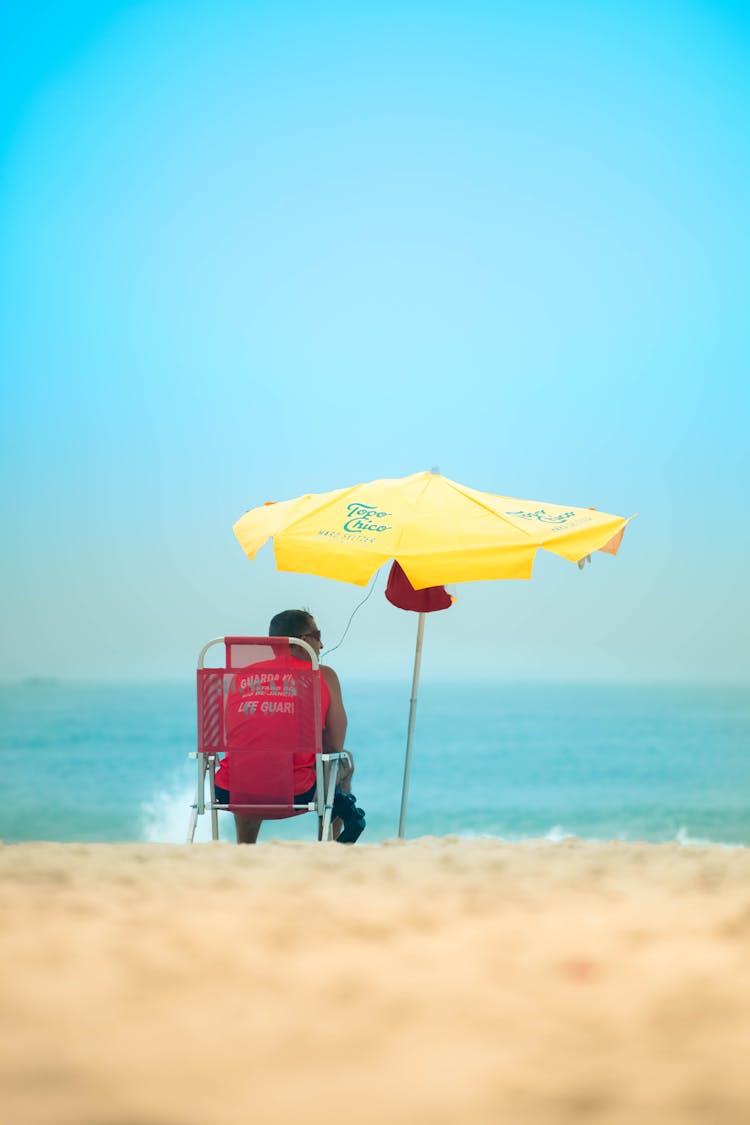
(290, 623)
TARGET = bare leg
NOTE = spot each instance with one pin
(337, 827)
(345, 785)
(346, 772)
(247, 827)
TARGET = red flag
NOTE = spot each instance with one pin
(402, 594)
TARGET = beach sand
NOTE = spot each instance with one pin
(436, 981)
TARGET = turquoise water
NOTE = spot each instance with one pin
(107, 763)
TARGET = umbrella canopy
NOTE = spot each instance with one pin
(439, 531)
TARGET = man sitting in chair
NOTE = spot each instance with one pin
(349, 820)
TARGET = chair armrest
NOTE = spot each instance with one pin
(338, 756)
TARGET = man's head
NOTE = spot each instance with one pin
(296, 623)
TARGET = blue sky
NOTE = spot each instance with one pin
(251, 250)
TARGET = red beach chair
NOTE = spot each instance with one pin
(261, 714)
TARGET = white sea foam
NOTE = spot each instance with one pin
(555, 835)
(558, 834)
(682, 837)
(164, 818)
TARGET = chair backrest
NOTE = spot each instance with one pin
(262, 709)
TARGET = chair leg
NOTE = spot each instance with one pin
(198, 804)
(212, 791)
(333, 773)
(321, 789)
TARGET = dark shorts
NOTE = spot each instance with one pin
(223, 797)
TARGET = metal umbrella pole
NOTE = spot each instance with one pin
(412, 719)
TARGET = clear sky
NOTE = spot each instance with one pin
(251, 250)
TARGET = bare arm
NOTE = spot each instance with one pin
(334, 731)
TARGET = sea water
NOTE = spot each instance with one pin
(654, 763)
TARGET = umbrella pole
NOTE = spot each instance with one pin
(410, 734)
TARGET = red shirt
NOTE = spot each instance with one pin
(262, 709)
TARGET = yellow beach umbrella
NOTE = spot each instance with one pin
(437, 530)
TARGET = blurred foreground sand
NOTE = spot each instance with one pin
(434, 981)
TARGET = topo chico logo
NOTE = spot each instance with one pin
(541, 515)
(365, 517)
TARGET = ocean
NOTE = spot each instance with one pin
(652, 763)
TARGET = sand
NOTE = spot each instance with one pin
(434, 981)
